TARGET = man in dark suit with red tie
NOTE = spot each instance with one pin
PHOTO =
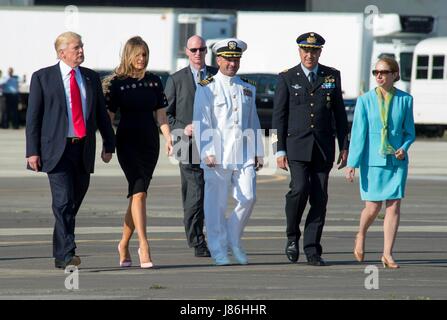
(65, 107)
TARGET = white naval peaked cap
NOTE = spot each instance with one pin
(229, 48)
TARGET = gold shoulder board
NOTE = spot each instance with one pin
(253, 83)
(206, 81)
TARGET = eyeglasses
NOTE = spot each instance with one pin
(194, 50)
(381, 72)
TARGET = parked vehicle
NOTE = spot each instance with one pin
(352, 46)
(104, 31)
(265, 90)
(429, 86)
(350, 107)
(28, 44)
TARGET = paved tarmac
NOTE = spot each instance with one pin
(27, 271)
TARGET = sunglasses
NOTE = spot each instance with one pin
(194, 50)
(381, 72)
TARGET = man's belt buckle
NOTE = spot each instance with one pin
(75, 140)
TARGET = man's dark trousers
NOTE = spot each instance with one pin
(69, 182)
(192, 196)
(309, 181)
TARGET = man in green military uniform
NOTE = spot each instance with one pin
(308, 114)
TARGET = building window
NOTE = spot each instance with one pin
(406, 59)
(422, 67)
(186, 31)
(437, 71)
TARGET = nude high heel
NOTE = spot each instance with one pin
(144, 265)
(359, 256)
(388, 264)
(126, 263)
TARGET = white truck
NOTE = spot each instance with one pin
(354, 42)
(429, 86)
(29, 34)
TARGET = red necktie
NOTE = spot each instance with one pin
(76, 107)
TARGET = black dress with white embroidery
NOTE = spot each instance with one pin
(137, 138)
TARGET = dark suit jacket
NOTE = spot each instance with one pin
(47, 120)
(304, 114)
(180, 91)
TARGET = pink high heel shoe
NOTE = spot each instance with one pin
(144, 265)
(126, 263)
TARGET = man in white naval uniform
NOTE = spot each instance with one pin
(228, 136)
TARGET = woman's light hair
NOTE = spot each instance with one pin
(131, 49)
(64, 39)
(392, 63)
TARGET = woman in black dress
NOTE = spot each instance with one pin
(137, 94)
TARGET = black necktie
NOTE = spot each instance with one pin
(312, 78)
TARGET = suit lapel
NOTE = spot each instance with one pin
(59, 86)
(88, 92)
(189, 78)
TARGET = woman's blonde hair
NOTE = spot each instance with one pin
(392, 63)
(131, 49)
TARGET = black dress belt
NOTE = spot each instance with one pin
(75, 140)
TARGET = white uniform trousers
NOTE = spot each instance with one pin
(227, 230)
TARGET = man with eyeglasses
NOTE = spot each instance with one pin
(308, 114)
(180, 90)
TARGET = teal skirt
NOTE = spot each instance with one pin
(383, 183)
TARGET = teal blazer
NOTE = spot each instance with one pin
(366, 127)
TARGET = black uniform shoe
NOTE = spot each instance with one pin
(315, 260)
(292, 251)
(202, 250)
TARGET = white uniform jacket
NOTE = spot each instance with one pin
(226, 123)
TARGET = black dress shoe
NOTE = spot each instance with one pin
(73, 261)
(201, 251)
(315, 260)
(292, 251)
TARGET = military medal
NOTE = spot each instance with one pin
(329, 83)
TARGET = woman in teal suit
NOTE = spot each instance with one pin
(382, 132)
